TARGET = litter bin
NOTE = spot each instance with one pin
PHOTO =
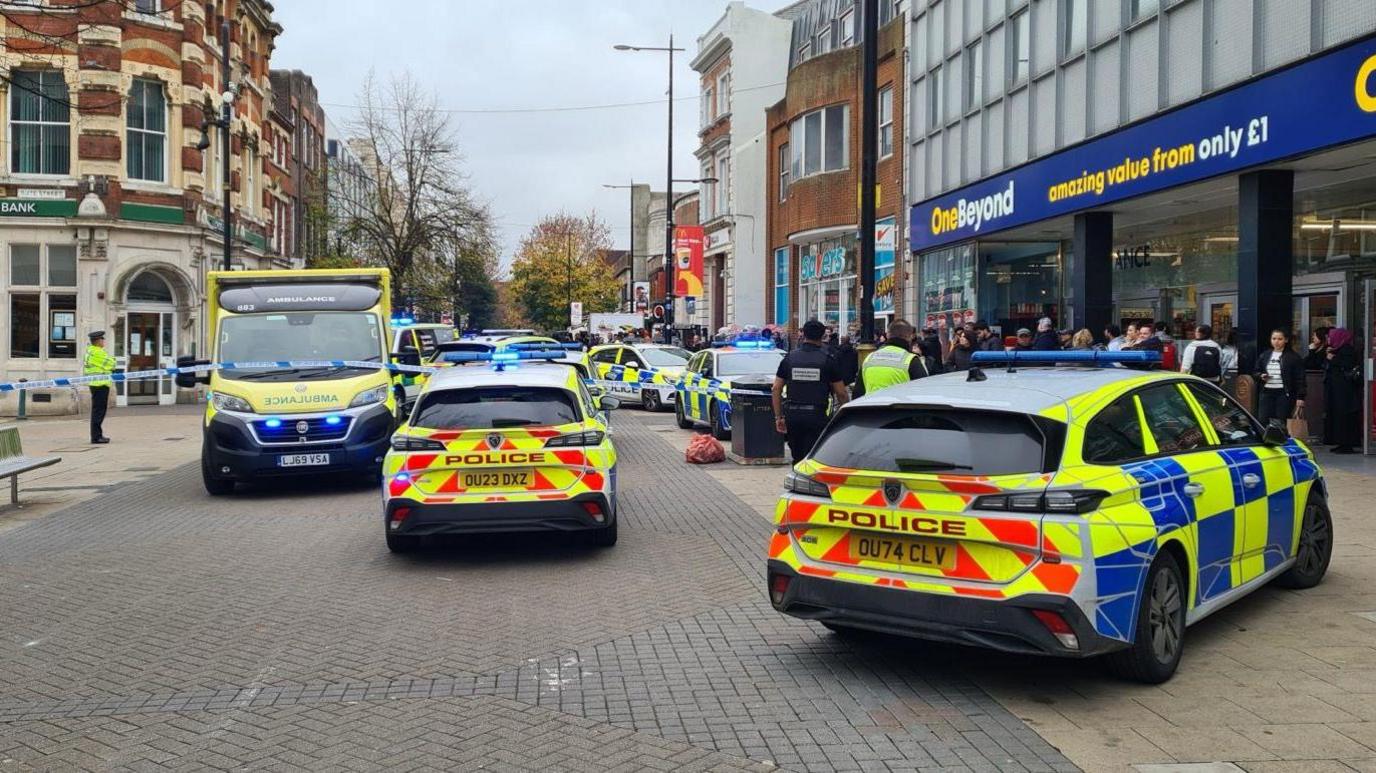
(753, 439)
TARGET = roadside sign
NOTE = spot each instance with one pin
(575, 313)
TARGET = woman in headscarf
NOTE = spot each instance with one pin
(1342, 387)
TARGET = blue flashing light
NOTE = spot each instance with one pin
(402, 476)
(272, 423)
(505, 356)
(1056, 357)
(333, 421)
(402, 321)
(745, 343)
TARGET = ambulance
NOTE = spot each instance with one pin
(266, 419)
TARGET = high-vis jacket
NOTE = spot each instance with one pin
(887, 366)
(98, 363)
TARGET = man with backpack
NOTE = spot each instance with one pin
(1204, 357)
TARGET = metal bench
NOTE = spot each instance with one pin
(13, 461)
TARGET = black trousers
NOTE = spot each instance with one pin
(805, 425)
(100, 401)
(1273, 405)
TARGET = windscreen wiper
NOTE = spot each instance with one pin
(501, 423)
(928, 465)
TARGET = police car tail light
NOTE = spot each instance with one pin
(409, 443)
(778, 586)
(398, 515)
(799, 483)
(595, 510)
(590, 438)
(1058, 627)
(1064, 501)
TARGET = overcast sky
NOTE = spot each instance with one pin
(486, 55)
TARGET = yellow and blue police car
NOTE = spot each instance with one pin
(643, 373)
(1064, 511)
(505, 444)
(704, 387)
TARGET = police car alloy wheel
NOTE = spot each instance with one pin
(649, 399)
(1315, 548)
(1159, 641)
(683, 421)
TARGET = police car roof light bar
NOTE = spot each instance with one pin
(745, 343)
(1059, 357)
(543, 346)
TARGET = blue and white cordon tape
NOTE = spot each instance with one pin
(17, 386)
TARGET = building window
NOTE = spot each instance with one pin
(706, 106)
(974, 76)
(147, 6)
(707, 194)
(250, 198)
(1019, 48)
(887, 10)
(805, 51)
(820, 141)
(40, 128)
(781, 286)
(847, 24)
(936, 103)
(723, 93)
(886, 122)
(42, 314)
(1075, 29)
(147, 131)
(724, 184)
(1140, 8)
(821, 44)
(783, 171)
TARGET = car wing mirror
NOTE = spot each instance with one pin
(1275, 435)
(190, 380)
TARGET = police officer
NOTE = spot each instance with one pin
(894, 362)
(98, 363)
(811, 376)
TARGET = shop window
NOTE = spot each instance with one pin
(42, 311)
(24, 333)
(62, 265)
(146, 131)
(826, 282)
(819, 141)
(947, 286)
(1019, 283)
(24, 264)
(40, 123)
(781, 286)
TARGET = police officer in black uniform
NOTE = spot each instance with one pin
(811, 376)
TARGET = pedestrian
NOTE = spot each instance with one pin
(985, 340)
(1129, 335)
(962, 349)
(930, 347)
(894, 362)
(1024, 340)
(812, 378)
(1082, 341)
(1342, 384)
(1281, 373)
(1317, 356)
(1230, 355)
(1046, 339)
(1114, 335)
(1065, 339)
(1204, 357)
(847, 361)
(99, 363)
(1147, 339)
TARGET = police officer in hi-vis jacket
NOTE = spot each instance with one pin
(98, 363)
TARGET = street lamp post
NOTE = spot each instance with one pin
(669, 189)
(630, 250)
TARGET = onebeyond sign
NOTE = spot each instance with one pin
(1320, 103)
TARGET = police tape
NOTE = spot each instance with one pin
(138, 375)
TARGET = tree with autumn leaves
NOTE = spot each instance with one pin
(558, 261)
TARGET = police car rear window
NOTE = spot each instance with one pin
(748, 363)
(495, 408)
(941, 440)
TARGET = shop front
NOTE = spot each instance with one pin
(827, 289)
(1239, 210)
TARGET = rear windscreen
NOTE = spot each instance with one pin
(938, 440)
(495, 408)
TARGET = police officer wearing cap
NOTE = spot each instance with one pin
(895, 362)
(811, 377)
(98, 363)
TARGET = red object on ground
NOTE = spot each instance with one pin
(704, 449)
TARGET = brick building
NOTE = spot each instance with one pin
(304, 230)
(109, 214)
(814, 169)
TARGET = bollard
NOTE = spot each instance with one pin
(23, 394)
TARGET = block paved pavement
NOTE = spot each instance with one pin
(1280, 681)
(153, 626)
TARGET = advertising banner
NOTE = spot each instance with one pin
(688, 244)
(884, 279)
(1326, 101)
(641, 297)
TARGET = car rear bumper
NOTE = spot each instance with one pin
(1004, 625)
(494, 517)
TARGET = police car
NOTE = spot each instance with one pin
(644, 373)
(704, 387)
(1064, 511)
(506, 444)
(412, 344)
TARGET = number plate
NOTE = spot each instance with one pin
(303, 460)
(924, 554)
(488, 481)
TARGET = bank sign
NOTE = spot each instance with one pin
(1320, 103)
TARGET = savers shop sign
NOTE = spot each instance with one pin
(1326, 101)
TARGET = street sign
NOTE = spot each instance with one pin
(575, 313)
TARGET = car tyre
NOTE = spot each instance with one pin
(216, 487)
(1315, 549)
(717, 431)
(402, 543)
(604, 537)
(649, 400)
(682, 421)
(1155, 652)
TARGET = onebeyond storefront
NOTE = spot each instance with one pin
(1250, 209)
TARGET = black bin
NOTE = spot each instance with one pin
(752, 426)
